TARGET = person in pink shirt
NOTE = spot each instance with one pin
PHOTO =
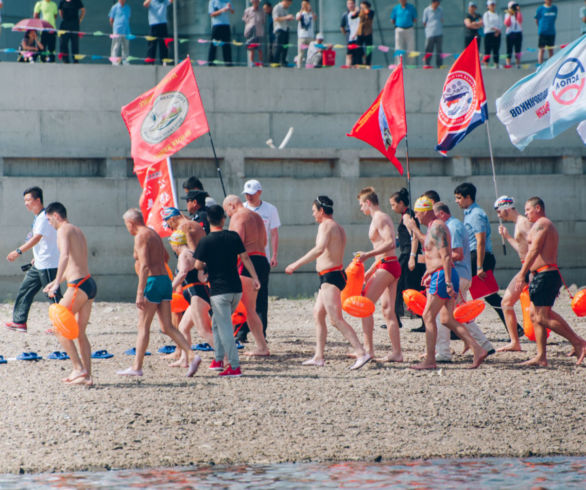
(514, 32)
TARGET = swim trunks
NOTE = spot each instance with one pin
(544, 287)
(438, 283)
(192, 286)
(259, 261)
(87, 285)
(337, 278)
(391, 265)
(158, 288)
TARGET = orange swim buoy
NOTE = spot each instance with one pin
(64, 321)
(469, 310)
(354, 280)
(527, 323)
(358, 306)
(579, 303)
(178, 303)
(415, 301)
(239, 315)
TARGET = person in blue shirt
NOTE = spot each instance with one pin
(120, 21)
(404, 17)
(219, 11)
(478, 228)
(545, 18)
(157, 29)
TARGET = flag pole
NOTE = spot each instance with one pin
(217, 164)
(406, 138)
(496, 192)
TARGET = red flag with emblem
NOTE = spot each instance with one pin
(384, 124)
(166, 118)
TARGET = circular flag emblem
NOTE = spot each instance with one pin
(568, 82)
(458, 100)
(166, 116)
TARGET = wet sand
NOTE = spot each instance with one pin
(280, 411)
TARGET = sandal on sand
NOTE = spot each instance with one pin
(129, 372)
(28, 356)
(361, 361)
(203, 347)
(167, 349)
(58, 356)
(102, 354)
(2, 360)
(132, 352)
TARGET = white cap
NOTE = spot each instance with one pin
(319, 35)
(252, 187)
(511, 4)
(490, 2)
(504, 202)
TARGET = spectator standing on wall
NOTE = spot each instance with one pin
(404, 17)
(514, 32)
(120, 21)
(219, 11)
(545, 18)
(349, 27)
(306, 20)
(473, 23)
(72, 13)
(267, 8)
(47, 10)
(364, 32)
(1, 5)
(254, 30)
(157, 29)
(281, 24)
(493, 26)
(433, 21)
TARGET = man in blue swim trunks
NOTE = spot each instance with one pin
(154, 292)
(442, 282)
(80, 294)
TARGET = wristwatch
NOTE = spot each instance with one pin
(19, 251)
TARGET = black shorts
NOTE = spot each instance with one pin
(544, 288)
(199, 290)
(337, 278)
(88, 286)
(258, 261)
(546, 40)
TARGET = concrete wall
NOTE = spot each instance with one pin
(61, 129)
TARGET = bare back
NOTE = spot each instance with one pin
(193, 232)
(149, 252)
(251, 228)
(71, 240)
(333, 237)
(522, 227)
(382, 232)
(543, 239)
(436, 240)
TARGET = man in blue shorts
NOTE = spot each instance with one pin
(442, 282)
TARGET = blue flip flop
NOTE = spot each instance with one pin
(102, 354)
(28, 356)
(239, 345)
(58, 356)
(132, 352)
(203, 347)
(2, 360)
(167, 349)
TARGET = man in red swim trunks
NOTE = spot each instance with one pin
(328, 254)
(382, 278)
(541, 260)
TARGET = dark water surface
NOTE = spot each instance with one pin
(548, 472)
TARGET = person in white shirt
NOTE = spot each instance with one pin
(306, 20)
(43, 269)
(493, 25)
(270, 216)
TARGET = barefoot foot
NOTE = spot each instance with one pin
(314, 362)
(179, 363)
(391, 358)
(74, 376)
(479, 357)
(256, 353)
(424, 365)
(536, 361)
(512, 347)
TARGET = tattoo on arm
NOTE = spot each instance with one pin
(440, 237)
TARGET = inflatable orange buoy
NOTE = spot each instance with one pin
(468, 311)
(354, 280)
(415, 301)
(579, 303)
(358, 306)
(178, 303)
(169, 272)
(64, 321)
(239, 315)
(527, 323)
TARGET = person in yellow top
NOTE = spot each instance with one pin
(47, 10)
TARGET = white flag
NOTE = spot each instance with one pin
(582, 131)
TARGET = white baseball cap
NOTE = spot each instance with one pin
(252, 187)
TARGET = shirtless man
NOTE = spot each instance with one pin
(177, 222)
(541, 260)
(382, 277)
(191, 283)
(251, 228)
(505, 209)
(328, 254)
(154, 292)
(80, 294)
(442, 282)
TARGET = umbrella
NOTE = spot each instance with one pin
(33, 24)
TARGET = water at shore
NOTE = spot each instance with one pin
(545, 472)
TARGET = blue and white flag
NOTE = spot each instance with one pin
(546, 103)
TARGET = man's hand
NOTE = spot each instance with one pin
(140, 301)
(12, 256)
(290, 269)
(450, 290)
(504, 232)
(480, 273)
(274, 261)
(256, 284)
(51, 289)
(408, 221)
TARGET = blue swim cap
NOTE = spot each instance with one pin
(170, 212)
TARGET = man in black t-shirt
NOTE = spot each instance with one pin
(72, 12)
(220, 251)
(473, 23)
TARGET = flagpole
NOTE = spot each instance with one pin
(217, 164)
(406, 141)
(496, 192)
(172, 182)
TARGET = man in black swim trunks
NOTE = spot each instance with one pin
(541, 261)
(81, 290)
(328, 254)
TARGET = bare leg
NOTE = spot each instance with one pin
(180, 359)
(145, 318)
(200, 313)
(85, 348)
(432, 307)
(509, 299)
(321, 332)
(164, 315)
(254, 323)
(388, 307)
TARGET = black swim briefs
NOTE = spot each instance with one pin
(337, 278)
(88, 286)
(544, 288)
(200, 290)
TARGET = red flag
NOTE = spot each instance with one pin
(384, 124)
(166, 118)
(463, 103)
(157, 193)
